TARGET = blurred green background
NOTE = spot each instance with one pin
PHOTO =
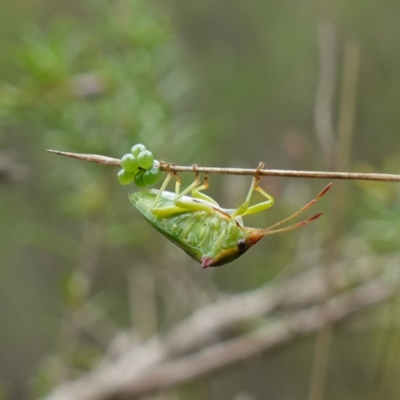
(218, 83)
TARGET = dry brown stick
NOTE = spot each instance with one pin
(241, 171)
(145, 370)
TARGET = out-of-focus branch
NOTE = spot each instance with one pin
(325, 91)
(87, 85)
(219, 319)
(182, 355)
(347, 110)
(340, 161)
(10, 169)
(267, 338)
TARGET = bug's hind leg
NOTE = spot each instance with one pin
(245, 208)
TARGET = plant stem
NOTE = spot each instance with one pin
(164, 166)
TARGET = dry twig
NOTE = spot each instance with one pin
(241, 171)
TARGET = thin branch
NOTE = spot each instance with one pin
(164, 166)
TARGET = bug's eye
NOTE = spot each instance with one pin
(242, 244)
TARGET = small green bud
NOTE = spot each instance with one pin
(129, 163)
(152, 176)
(145, 159)
(139, 179)
(137, 149)
(125, 177)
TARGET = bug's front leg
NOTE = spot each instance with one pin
(245, 208)
(163, 187)
(166, 211)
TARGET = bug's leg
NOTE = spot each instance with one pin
(306, 207)
(170, 175)
(180, 204)
(196, 192)
(264, 205)
(177, 181)
(169, 210)
(190, 205)
(162, 188)
(190, 188)
(245, 208)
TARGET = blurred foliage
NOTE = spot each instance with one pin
(95, 87)
(378, 215)
(79, 266)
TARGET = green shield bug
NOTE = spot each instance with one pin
(208, 233)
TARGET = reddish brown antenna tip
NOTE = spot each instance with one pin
(327, 187)
(315, 217)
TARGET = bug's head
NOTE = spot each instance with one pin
(235, 250)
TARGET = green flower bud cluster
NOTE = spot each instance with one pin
(138, 167)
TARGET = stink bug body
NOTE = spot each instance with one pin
(210, 234)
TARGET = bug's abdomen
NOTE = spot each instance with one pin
(199, 233)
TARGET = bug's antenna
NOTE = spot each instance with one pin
(291, 227)
(270, 230)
